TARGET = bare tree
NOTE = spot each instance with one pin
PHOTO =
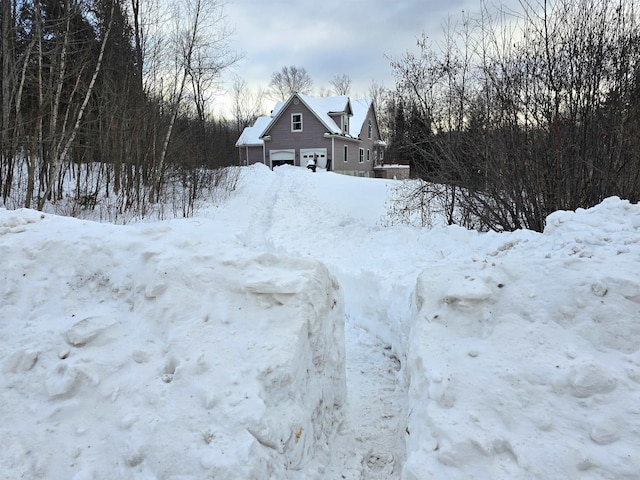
(63, 146)
(341, 84)
(35, 148)
(517, 119)
(379, 95)
(95, 107)
(6, 33)
(247, 105)
(200, 53)
(290, 80)
(212, 56)
(323, 91)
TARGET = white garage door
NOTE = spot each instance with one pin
(320, 155)
(280, 157)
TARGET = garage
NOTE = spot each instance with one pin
(320, 155)
(282, 157)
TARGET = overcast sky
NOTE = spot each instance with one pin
(333, 37)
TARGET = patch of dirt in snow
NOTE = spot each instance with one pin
(370, 444)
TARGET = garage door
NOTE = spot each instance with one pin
(320, 155)
(282, 157)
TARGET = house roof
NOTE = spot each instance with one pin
(360, 108)
(250, 136)
(324, 108)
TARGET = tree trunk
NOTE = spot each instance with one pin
(7, 59)
(59, 157)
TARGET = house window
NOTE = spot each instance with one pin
(368, 155)
(346, 153)
(361, 156)
(296, 122)
(369, 131)
(345, 125)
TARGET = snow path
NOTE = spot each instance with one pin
(370, 444)
(290, 206)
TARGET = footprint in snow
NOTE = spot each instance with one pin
(379, 463)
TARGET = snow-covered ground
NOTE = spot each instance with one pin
(287, 334)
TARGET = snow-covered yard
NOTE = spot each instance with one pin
(287, 334)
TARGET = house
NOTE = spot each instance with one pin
(339, 133)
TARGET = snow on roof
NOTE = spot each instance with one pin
(321, 107)
(360, 107)
(251, 135)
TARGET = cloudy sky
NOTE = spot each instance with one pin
(333, 37)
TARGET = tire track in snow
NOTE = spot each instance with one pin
(370, 443)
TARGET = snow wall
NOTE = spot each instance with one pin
(525, 364)
(152, 351)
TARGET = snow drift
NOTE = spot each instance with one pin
(149, 352)
(215, 346)
(526, 364)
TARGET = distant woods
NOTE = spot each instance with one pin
(513, 115)
(517, 114)
(110, 99)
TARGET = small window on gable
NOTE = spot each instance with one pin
(296, 122)
(361, 156)
(345, 124)
(369, 130)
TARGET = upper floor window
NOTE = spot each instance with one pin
(345, 124)
(296, 122)
(361, 157)
(369, 130)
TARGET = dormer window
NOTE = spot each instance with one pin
(345, 124)
(369, 130)
(296, 122)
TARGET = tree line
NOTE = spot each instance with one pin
(110, 99)
(517, 114)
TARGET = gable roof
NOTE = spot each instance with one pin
(326, 108)
(250, 136)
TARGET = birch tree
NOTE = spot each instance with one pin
(62, 147)
(201, 53)
(7, 13)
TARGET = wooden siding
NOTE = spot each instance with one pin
(353, 165)
(250, 155)
(255, 155)
(311, 136)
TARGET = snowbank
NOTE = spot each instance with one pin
(213, 347)
(526, 363)
(162, 351)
